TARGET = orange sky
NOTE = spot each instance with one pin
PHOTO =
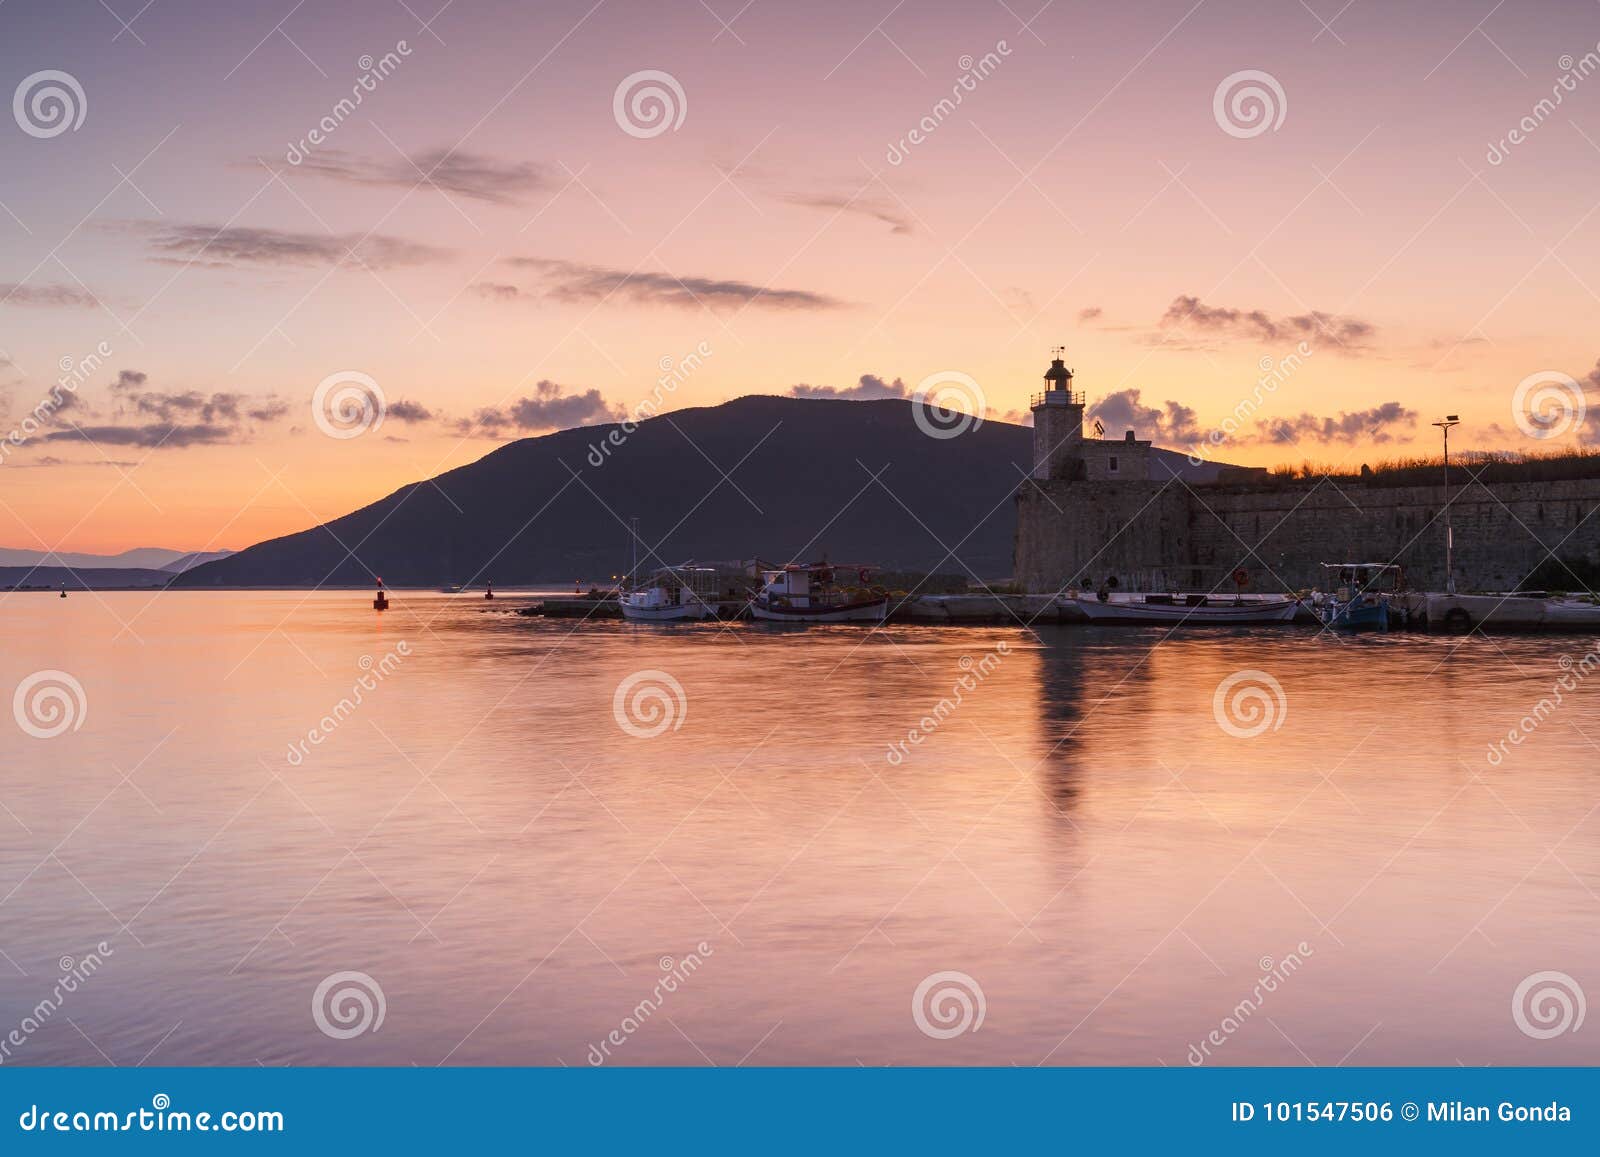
(1086, 189)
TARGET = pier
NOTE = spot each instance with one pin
(1431, 611)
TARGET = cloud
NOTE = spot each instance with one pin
(1189, 312)
(151, 435)
(897, 221)
(869, 388)
(472, 175)
(139, 416)
(47, 296)
(1377, 424)
(1125, 410)
(404, 411)
(229, 246)
(1090, 313)
(496, 291)
(547, 408)
(1174, 423)
(569, 281)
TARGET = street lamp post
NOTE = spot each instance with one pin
(1449, 532)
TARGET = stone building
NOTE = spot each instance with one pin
(1154, 519)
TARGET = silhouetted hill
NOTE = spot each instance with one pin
(82, 577)
(779, 478)
(799, 482)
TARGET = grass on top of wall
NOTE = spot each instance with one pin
(1466, 466)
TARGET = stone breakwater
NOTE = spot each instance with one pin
(1164, 536)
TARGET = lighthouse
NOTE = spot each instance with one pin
(1057, 423)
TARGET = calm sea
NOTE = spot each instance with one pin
(818, 846)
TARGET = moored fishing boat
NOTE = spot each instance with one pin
(811, 593)
(1361, 600)
(1182, 609)
(673, 594)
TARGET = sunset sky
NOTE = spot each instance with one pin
(485, 240)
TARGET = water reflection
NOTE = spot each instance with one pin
(836, 814)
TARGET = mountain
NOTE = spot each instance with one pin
(140, 558)
(81, 578)
(770, 477)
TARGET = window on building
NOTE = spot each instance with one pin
(1111, 464)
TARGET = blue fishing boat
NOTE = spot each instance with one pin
(1361, 595)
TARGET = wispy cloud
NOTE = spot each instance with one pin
(870, 387)
(1188, 312)
(69, 296)
(496, 291)
(1174, 423)
(138, 416)
(230, 246)
(569, 281)
(1089, 313)
(471, 175)
(878, 210)
(407, 411)
(549, 407)
(1377, 424)
(1125, 410)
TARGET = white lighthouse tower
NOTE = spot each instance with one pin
(1057, 423)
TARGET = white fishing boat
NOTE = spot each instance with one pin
(673, 594)
(812, 593)
(1180, 609)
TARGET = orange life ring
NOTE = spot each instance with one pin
(1241, 577)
